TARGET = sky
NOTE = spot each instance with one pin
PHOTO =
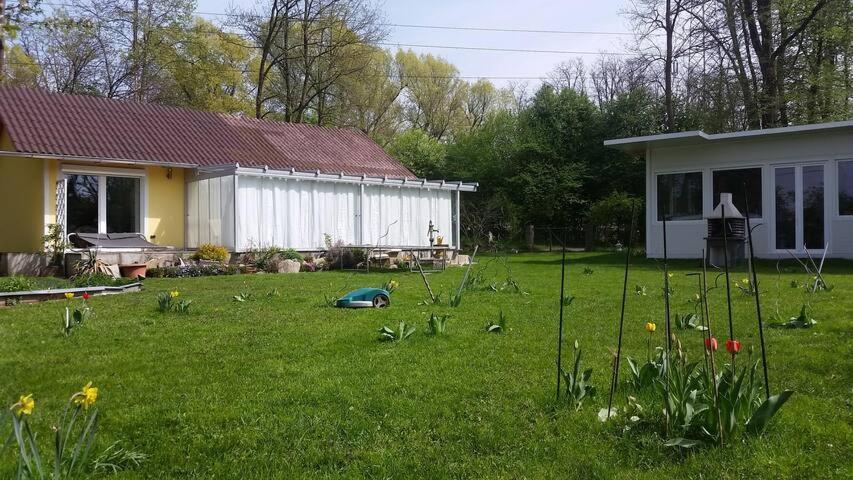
(575, 15)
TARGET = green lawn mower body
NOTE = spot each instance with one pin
(365, 298)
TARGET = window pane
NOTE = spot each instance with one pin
(122, 205)
(786, 220)
(732, 181)
(813, 206)
(82, 204)
(680, 196)
(845, 188)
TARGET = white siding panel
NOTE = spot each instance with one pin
(192, 215)
(226, 212)
(203, 211)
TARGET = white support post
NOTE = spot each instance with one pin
(361, 217)
(236, 213)
(458, 221)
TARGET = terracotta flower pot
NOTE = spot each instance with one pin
(134, 270)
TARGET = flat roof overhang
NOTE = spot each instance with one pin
(338, 178)
(638, 145)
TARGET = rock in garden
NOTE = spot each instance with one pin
(288, 266)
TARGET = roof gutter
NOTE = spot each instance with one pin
(351, 179)
(96, 160)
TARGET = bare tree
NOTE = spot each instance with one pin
(306, 47)
(569, 74)
(651, 17)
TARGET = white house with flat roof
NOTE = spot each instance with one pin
(798, 182)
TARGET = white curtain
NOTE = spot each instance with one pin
(210, 211)
(294, 214)
(299, 214)
(412, 209)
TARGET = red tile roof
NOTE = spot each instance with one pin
(40, 122)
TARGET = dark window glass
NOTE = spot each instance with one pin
(786, 219)
(680, 196)
(732, 181)
(845, 187)
(82, 204)
(122, 205)
(813, 207)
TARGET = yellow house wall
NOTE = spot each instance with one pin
(165, 219)
(21, 201)
(23, 213)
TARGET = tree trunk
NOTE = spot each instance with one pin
(746, 88)
(781, 101)
(669, 27)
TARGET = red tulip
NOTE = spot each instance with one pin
(732, 346)
(86, 296)
(711, 344)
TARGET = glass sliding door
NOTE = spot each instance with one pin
(97, 203)
(813, 207)
(786, 218)
(123, 204)
(82, 203)
(800, 221)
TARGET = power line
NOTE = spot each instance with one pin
(451, 47)
(511, 30)
(494, 49)
(431, 27)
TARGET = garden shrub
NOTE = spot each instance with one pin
(16, 284)
(339, 256)
(290, 254)
(611, 217)
(210, 252)
(99, 280)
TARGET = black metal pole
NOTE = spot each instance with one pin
(708, 335)
(728, 282)
(614, 381)
(757, 295)
(560, 330)
(668, 328)
(666, 290)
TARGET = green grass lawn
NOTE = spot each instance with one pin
(284, 387)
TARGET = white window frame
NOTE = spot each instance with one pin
(657, 174)
(760, 168)
(102, 173)
(837, 194)
(798, 207)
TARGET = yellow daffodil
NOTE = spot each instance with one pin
(25, 405)
(745, 281)
(651, 327)
(69, 295)
(696, 297)
(87, 396)
(174, 293)
(393, 284)
(669, 274)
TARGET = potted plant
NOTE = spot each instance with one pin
(54, 250)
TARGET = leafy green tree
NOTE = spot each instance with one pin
(22, 69)
(204, 69)
(12, 15)
(423, 154)
(435, 96)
